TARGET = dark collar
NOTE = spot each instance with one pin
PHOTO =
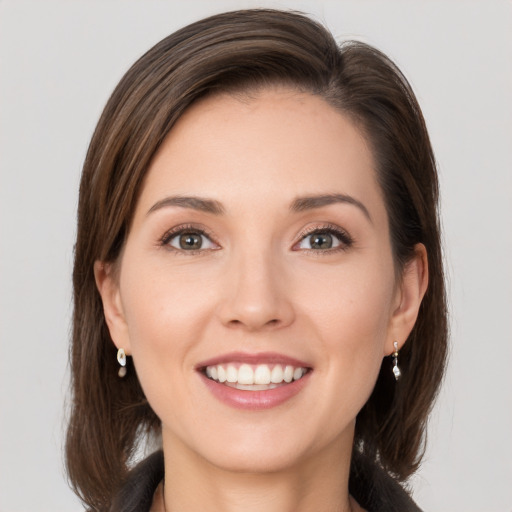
(370, 485)
(375, 490)
(137, 493)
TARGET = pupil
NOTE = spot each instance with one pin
(190, 241)
(321, 241)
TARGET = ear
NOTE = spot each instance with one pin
(108, 286)
(410, 292)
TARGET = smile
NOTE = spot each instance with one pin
(254, 381)
(254, 377)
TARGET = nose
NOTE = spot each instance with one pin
(256, 296)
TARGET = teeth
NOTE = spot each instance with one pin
(253, 378)
(277, 374)
(253, 387)
(245, 375)
(262, 374)
(231, 374)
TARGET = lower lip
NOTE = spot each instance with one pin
(255, 400)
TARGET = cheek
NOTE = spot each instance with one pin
(354, 330)
(353, 301)
(352, 318)
(163, 313)
(166, 316)
(165, 310)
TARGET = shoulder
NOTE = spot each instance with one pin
(137, 493)
(375, 490)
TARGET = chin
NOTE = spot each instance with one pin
(253, 461)
(253, 450)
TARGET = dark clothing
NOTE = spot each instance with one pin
(375, 490)
(371, 487)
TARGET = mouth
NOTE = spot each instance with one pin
(256, 381)
(259, 377)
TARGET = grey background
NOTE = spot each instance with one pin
(59, 62)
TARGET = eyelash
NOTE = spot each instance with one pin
(178, 230)
(346, 241)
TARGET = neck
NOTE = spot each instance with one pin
(314, 484)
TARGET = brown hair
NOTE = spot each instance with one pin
(237, 52)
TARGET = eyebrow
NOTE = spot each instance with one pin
(192, 202)
(310, 202)
(298, 205)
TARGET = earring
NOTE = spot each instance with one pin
(121, 358)
(396, 371)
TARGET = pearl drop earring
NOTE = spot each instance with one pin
(121, 358)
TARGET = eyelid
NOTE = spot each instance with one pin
(184, 228)
(345, 239)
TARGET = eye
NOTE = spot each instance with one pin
(189, 240)
(325, 239)
(319, 240)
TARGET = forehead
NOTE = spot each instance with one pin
(274, 144)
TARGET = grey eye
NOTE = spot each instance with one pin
(320, 241)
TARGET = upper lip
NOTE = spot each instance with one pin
(257, 358)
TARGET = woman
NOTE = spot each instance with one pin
(258, 277)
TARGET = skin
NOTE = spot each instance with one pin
(255, 286)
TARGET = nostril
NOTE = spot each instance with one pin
(270, 323)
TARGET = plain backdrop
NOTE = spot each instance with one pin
(59, 61)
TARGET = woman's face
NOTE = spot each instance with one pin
(259, 252)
